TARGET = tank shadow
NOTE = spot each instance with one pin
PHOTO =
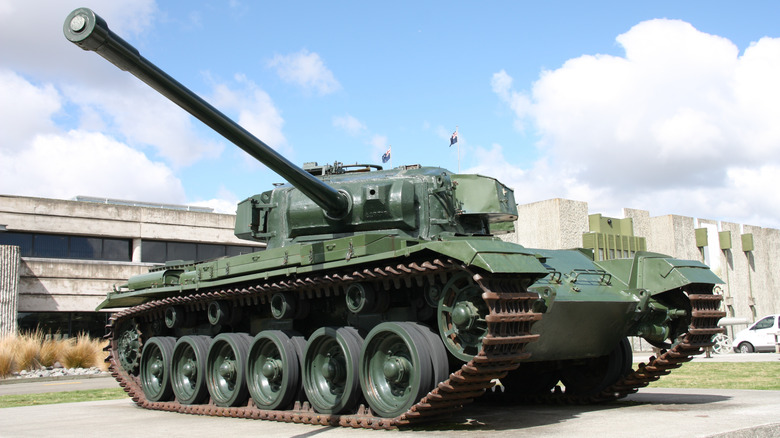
(490, 415)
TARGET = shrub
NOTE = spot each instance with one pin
(51, 351)
(28, 349)
(83, 352)
(7, 359)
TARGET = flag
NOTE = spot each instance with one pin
(454, 138)
(386, 156)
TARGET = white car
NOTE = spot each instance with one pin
(758, 337)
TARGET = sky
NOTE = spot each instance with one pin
(666, 106)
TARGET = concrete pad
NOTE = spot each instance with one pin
(652, 412)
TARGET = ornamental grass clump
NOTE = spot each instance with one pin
(84, 352)
(51, 351)
(36, 350)
(7, 357)
(27, 349)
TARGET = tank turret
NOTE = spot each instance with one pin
(413, 201)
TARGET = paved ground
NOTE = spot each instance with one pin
(664, 413)
(658, 412)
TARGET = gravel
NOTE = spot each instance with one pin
(58, 372)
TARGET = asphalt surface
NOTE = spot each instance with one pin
(652, 412)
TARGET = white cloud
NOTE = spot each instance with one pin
(144, 118)
(86, 163)
(26, 109)
(37, 158)
(349, 124)
(306, 70)
(679, 123)
(256, 110)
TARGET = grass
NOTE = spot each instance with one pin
(723, 375)
(48, 398)
(35, 350)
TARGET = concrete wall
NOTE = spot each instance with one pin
(9, 281)
(56, 285)
(109, 220)
(555, 223)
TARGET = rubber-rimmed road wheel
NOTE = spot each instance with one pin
(273, 369)
(395, 368)
(226, 369)
(188, 369)
(439, 359)
(330, 369)
(155, 368)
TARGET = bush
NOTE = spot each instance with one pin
(7, 357)
(83, 352)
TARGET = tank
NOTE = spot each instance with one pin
(384, 297)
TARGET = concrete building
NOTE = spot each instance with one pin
(59, 258)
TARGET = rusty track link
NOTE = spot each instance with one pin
(509, 322)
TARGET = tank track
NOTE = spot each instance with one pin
(705, 315)
(509, 322)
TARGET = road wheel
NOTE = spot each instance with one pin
(330, 369)
(273, 370)
(155, 368)
(395, 368)
(188, 369)
(226, 369)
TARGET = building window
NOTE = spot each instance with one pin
(158, 251)
(64, 324)
(68, 247)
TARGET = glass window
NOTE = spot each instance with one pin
(23, 240)
(45, 245)
(181, 251)
(116, 250)
(152, 251)
(208, 251)
(86, 247)
(64, 324)
(767, 322)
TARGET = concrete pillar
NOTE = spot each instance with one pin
(136, 258)
(9, 288)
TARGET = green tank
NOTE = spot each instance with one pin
(384, 298)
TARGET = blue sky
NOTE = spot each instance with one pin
(670, 107)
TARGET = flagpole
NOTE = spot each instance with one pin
(458, 143)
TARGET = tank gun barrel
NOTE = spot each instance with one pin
(90, 32)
